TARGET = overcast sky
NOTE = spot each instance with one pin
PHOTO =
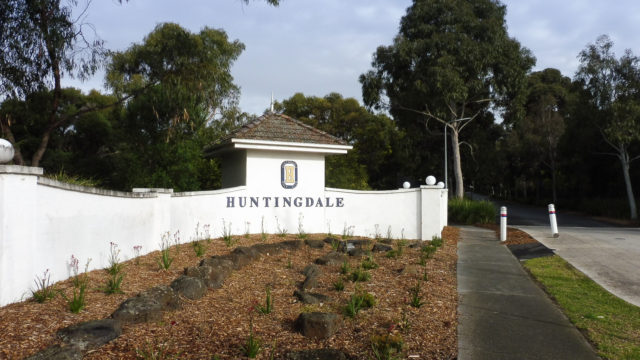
(322, 46)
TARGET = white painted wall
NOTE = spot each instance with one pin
(43, 222)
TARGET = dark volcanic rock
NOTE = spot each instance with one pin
(318, 325)
(357, 252)
(250, 252)
(311, 270)
(291, 244)
(213, 277)
(311, 298)
(138, 309)
(218, 261)
(316, 244)
(332, 258)
(165, 296)
(57, 352)
(91, 334)
(190, 287)
(268, 249)
(378, 247)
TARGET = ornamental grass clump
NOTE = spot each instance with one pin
(80, 283)
(368, 263)
(44, 288)
(387, 346)
(416, 298)
(268, 303)
(165, 259)
(253, 344)
(227, 237)
(359, 275)
(358, 301)
(469, 212)
(301, 233)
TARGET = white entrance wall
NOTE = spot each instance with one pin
(43, 222)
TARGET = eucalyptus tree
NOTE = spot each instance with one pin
(40, 42)
(180, 86)
(451, 62)
(614, 88)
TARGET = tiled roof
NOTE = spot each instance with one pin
(278, 127)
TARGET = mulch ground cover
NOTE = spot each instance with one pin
(217, 326)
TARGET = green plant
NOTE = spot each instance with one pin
(44, 289)
(369, 264)
(115, 267)
(437, 241)
(114, 284)
(165, 259)
(339, 285)
(347, 231)
(389, 233)
(376, 233)
(345, 268)
(268, 303)
(199, 247)
(80, 283)
(301, 233)
(253, 344)
(392, 254)
(358, 301)
(466, 211)
(359, 275)
(289, 264)
(227, 237)
(136, 251)
(72, 179)
(400, 245)
(428, 250)
(329, 234)
(282, 231)
(335, 244)
(416, 298)
(387, 346)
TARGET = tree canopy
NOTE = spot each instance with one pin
(451, 61)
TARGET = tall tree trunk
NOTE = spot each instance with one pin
(457, 167)
(624, 160)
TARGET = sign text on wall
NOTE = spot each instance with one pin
(283, 201)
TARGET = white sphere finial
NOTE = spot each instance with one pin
(406, 185)
(440, 185)
(431, 180)
(6, 151)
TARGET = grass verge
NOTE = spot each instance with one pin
(612, 324)
(467, 211)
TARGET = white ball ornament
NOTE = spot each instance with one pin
(6, 151)
(406, 185)
(440, 185)
(431, 180)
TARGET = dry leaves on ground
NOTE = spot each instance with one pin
(218, 324)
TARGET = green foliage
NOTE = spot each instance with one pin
(115, 267)
(606, 320)
(437, 241)
(358, 301)
(44, 288)
(368, 263)
(227, 237)
(466, 211)
(345, 268)
(199, 247)
(387, 346)
(359, 275)
(80, 283)
(72, 179)
(416, 297)
(114, 284)
(282, 231)
(252, 345)
(338, 285)
(268, 303)
(165, 259)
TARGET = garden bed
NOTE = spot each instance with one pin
(217, 325)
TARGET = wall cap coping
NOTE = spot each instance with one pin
(210, 192)
(21, 170)
(152, 190)
(91, 190)
(396, 191)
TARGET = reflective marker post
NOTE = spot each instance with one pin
(552, 220)
(503, 223)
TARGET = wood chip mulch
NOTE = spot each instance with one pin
(217, 325)
(514, 236)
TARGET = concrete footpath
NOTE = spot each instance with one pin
(503, 314)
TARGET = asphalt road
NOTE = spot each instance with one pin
(608, 254)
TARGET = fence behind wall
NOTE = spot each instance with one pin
(43, 222)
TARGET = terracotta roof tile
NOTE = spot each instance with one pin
(278, 127)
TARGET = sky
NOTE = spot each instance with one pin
(321, 46)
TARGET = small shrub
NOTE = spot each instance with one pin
(389, 233)
(392, 254)
(345, 268)
(253, 344)
(268, 303)
(136, 251)
(282, 231)
(428, 251)
(359, 275)
(227, 237)
(115, 267)
(369, 264)
(165, 259)
(80, 283)
(437, 241)
(247, 226)
(301, 234)
(466, 211)
(357, 302)
(376, 233)
(335, 244)
(114, 284)
(338, 285)
(416, 298)
(387, 346)
(263, 234)
(44, 289)
(347, 232)
(199, 247)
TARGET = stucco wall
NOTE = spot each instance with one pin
(44, 222)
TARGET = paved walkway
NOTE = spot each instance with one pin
(609, 256)
(503, 314)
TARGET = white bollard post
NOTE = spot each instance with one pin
(552, 220)
(503, 223)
